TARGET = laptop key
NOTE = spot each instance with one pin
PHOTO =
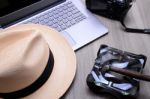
(73, 22)
(68, 24)
(50, 23)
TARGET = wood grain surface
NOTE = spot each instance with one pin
(138, 17)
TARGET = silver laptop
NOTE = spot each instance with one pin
(69, 17)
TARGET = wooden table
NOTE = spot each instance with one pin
(138, 17)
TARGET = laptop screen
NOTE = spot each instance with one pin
(8, 6)
(12, 10)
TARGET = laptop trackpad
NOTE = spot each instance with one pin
(69, 38)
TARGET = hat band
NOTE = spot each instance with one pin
(35, 85)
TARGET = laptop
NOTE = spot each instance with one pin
(69, 17)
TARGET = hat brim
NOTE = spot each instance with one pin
(64, 62)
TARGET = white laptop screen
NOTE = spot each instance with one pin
(12, 10)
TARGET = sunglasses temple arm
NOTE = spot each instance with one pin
(129, 73)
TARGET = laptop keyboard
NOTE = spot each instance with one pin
(60, 18)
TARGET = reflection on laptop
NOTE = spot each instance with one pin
(69, 17)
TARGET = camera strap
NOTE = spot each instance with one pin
(133, 30)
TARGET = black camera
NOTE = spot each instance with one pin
(114, 9)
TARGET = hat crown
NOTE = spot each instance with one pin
(60, 64)
(23, 55)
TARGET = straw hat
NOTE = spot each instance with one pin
(36, 62)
